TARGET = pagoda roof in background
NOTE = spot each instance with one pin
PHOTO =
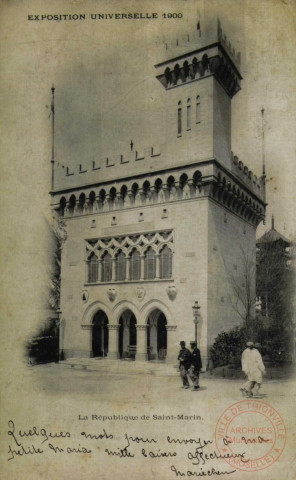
(273, 236)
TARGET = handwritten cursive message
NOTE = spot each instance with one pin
(198, 453)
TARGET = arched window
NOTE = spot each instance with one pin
(197, 178)
(158, 184)
(165, 263)
(107, 268)
(135, 265)
(198, 109)
(176, 73)
(123, 192)
(150, 264)
(91, 200)
(135, 189)
(188, 114)
(63, 203)
(179, 118)
(112, 194)
(81, 202)
(146, 187)
(120, 264)
(102, 195)
(72, 203)
(92, 268)
(168, 76)
(186, 69)
(183, 180)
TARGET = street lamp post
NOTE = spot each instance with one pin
(59, 313)
(196, 316)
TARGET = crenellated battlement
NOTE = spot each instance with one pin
(150, 159)
(222, 38)
(241, 171)
(199, 39)
(125, 164)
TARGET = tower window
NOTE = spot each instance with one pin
(135, 265)
(198, 109)
(150, 264)
(188, 114)
(120, 266)
(107, 268)
(179, 118)
(165, 263)
(92, 264)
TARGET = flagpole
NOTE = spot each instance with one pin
(263, 143)
(52, 136)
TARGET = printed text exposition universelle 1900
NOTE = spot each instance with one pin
(104, 16)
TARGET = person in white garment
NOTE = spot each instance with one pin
(253, 367)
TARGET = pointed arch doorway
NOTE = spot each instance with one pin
(100, 334)
(157, 335)
(127, 335)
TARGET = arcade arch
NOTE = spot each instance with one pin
(156, 335)
(127, 338)
(100, 334)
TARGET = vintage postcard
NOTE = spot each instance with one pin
(148, 239)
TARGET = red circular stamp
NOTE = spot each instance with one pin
(250, 435)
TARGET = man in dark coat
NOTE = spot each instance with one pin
(196, 365)
(184, 363)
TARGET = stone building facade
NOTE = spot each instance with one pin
(151, 232)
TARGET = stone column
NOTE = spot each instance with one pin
(157, 265)
(131, 199)
(127, 268)
(173, 346)
(142, 267)
(113, 353)
(86, 342)
(67, 211)
(99, 270)
(85, 207)
(165, 190)
(153, 337)
(86, 270)
(113, 269)
(141, 354)
(125, 336)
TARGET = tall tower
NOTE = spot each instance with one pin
(199, 87)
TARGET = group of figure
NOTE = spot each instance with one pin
(253, 367)
(190, 365)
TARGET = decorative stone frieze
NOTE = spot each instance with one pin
(114, 326)
(245, 199)
(127, 243)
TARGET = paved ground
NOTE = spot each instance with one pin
(145, 386)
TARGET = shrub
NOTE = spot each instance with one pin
(276, 342)
(228, 346)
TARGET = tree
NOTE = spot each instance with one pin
(43, 346)
(243, 286)
(275, 280)
(59, 236)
